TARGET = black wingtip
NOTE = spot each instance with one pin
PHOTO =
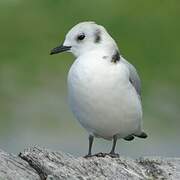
(142, 135)
(51, 53)
(129, 138)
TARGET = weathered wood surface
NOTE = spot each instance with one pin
(40, 163)
(13, 167)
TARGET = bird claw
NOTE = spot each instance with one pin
(101, 154)
(113, 155)
(88, 156)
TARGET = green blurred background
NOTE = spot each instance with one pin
(33, 92)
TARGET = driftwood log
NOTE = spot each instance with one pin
(37, 163)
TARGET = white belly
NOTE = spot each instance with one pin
(102, 98)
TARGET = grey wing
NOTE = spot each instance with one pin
(133, 77)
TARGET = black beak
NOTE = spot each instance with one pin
(60, 49)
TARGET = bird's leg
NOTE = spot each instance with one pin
(114, 144)
(91, 138)
(112, 152)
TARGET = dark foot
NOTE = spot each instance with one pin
(100, 154)
(113, 155)
(129, 138)
(88, 156)
(142, 135)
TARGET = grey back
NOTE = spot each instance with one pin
(134, 77)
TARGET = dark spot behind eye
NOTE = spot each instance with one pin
(81, 37)
(115, 57)
(97, 36)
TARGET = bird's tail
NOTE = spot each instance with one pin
(142, 135)
(131, 137)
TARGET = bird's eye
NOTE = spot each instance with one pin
(81, 37)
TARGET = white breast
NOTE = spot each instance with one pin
(102, 98)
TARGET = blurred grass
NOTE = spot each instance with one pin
(33, 84)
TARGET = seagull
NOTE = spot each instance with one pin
(104, 89)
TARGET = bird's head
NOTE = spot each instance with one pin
(85, 37)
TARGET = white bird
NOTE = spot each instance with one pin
(104, 89)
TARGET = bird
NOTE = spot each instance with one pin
(104, 89)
